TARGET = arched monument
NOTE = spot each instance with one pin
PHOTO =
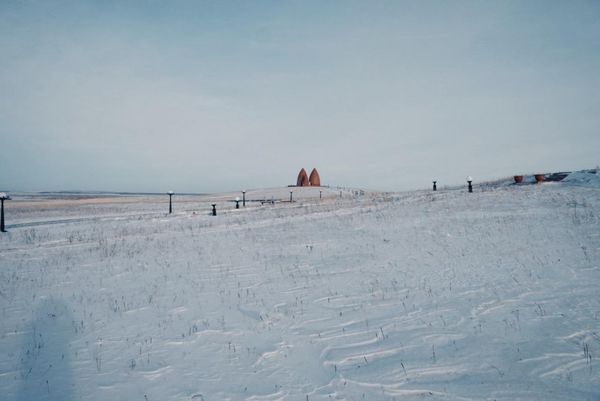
(314, 179)
(302, 180)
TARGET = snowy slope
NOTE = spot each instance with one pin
(586, 178)
(418, 295)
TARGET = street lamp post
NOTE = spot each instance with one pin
(244, 198)
(170, 193)
(435, 185)
(214, 210)
(320, 194)
(3, 197)
(237, 202)
(291, 192)
(470, 181)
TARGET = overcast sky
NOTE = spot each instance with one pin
(204, 96)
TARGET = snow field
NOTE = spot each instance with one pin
(417, 295)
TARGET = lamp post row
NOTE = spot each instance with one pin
(243, 200)
(469, 184)
(237, 199)
(171, 193)
(4, 196)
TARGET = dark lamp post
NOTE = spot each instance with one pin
(170, 193)
(214, 210)
(244, 198)
(237, 202)
(435, 185)
(320, 194)
(470, 181)
(291, 192)
(3, 197)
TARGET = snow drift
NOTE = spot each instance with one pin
(418, 295)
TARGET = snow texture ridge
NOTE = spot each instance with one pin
(589, 178)
(420, 295)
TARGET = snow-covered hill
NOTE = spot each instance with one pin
(419, 295)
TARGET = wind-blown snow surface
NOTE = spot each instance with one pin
(443, 296)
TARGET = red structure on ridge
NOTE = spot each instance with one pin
(314, 179)
(302, 180)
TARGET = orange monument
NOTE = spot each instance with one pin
(302, 180)
(314, 179)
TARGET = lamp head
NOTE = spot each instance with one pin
(170, 192)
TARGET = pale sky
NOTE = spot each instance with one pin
(203, 96)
